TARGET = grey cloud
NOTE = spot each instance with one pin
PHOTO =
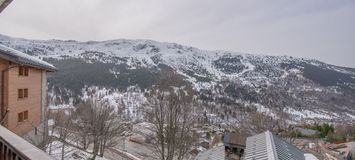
(320, 29)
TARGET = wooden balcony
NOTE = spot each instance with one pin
(13, 147)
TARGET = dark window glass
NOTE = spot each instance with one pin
(25, 93)
(20, 71)
(25, 115)
(20, 117)
(26, 71)
(20, 93)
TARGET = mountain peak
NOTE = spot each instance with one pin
(266, 82)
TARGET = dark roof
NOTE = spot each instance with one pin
(233, 139)
(16, 56)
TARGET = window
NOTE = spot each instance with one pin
(20, 71)
(20, 93)
(25, 115)
(26, 71)
(25, 93)
(23, 71)
(20, 117)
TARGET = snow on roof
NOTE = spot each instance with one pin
(310, 156)
(216, 153)
(24, 59)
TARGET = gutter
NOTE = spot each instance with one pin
(4, 55)
(12, 55)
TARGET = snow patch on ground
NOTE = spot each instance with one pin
(144, 128)
(262, 109)
(130, 101)
(70, 153)
(60, 106)
(350, 115)
(307, 114)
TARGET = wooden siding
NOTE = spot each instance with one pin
(3, 65)
(13, 82)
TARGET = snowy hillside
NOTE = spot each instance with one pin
(303, 88)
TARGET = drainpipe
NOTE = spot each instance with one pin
(3, 111)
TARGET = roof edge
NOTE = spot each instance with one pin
(21, 58)
(270, 146)
(4, 4)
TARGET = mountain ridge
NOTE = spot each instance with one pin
(2, 36)
(260, 82)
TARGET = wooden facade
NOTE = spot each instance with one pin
(234, 145)
(23, 90)
(23, 113)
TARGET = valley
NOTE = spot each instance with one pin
(231, 91)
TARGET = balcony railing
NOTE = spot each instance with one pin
(13, 147)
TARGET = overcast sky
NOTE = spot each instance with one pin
(320, 29)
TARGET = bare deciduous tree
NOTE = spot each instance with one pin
(59, 129)
(101, 122)
(65, 122)
(261, 122)
(171, 111)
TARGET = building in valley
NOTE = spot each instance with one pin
(234, 145)
(23, 81)
(267, 146)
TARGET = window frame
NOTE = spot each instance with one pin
(25, 93)
(20, 94)
(25, 115)
(23, 71)
(20, 71)
(20, 117)
(26, 71)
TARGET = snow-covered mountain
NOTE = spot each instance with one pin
(230, 81)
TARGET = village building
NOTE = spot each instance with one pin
(267, 146)
(23, 90)
(13, 146)
(234, 145)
